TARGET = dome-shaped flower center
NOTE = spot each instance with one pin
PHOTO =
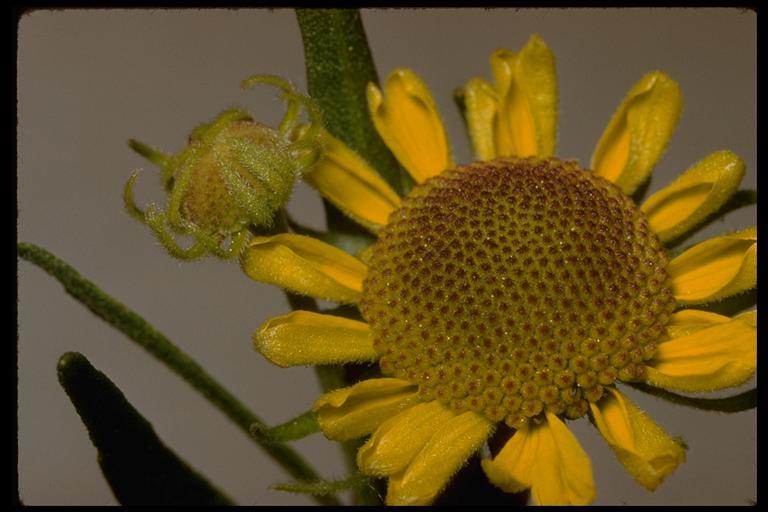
(516, 286)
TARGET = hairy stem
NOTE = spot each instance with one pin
(145, 335)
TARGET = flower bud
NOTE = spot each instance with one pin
(236, 172)
(234, 175)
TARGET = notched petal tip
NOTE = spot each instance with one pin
(549, 460)
(480, 109)
(407, 119)
(526, 85)
(355, 411)
(308, 338)
(443, 455)
(647, 452)
(305, 265)
(639, 131)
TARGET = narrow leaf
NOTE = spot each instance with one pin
(139, 467)
(138, 329)
(339, 67)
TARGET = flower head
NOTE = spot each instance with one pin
(520, 289)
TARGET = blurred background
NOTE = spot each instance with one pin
(88, 80)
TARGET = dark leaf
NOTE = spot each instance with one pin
(139, 467)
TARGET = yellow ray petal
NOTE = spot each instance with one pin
(512, 469)
(305, 265)
(398, 440)
(568, 476)
(638, 132)
(445, 452)
(547, 459)
(346, 180)
(694, 195)
(480, 109)
(358, 410)
(409, 123)
(710, 352)
(304, 338)
(526, 83)
(716, 268)
(645, 450)
(688, 321)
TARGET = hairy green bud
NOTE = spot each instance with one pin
(234, 175)
(239, 173)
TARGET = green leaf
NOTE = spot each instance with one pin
(736, 403)
(145, 335)
(339, 67)
(139, 467)
(292, 430)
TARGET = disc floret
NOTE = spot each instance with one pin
(515, 287)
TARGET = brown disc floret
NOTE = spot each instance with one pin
(517, 286)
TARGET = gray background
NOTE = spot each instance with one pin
(89, 80)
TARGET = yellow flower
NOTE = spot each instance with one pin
(517, 289)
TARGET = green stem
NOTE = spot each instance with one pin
(323, 486)
(145, 335)
(339, 68)
(331, 377)
(297, 428)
